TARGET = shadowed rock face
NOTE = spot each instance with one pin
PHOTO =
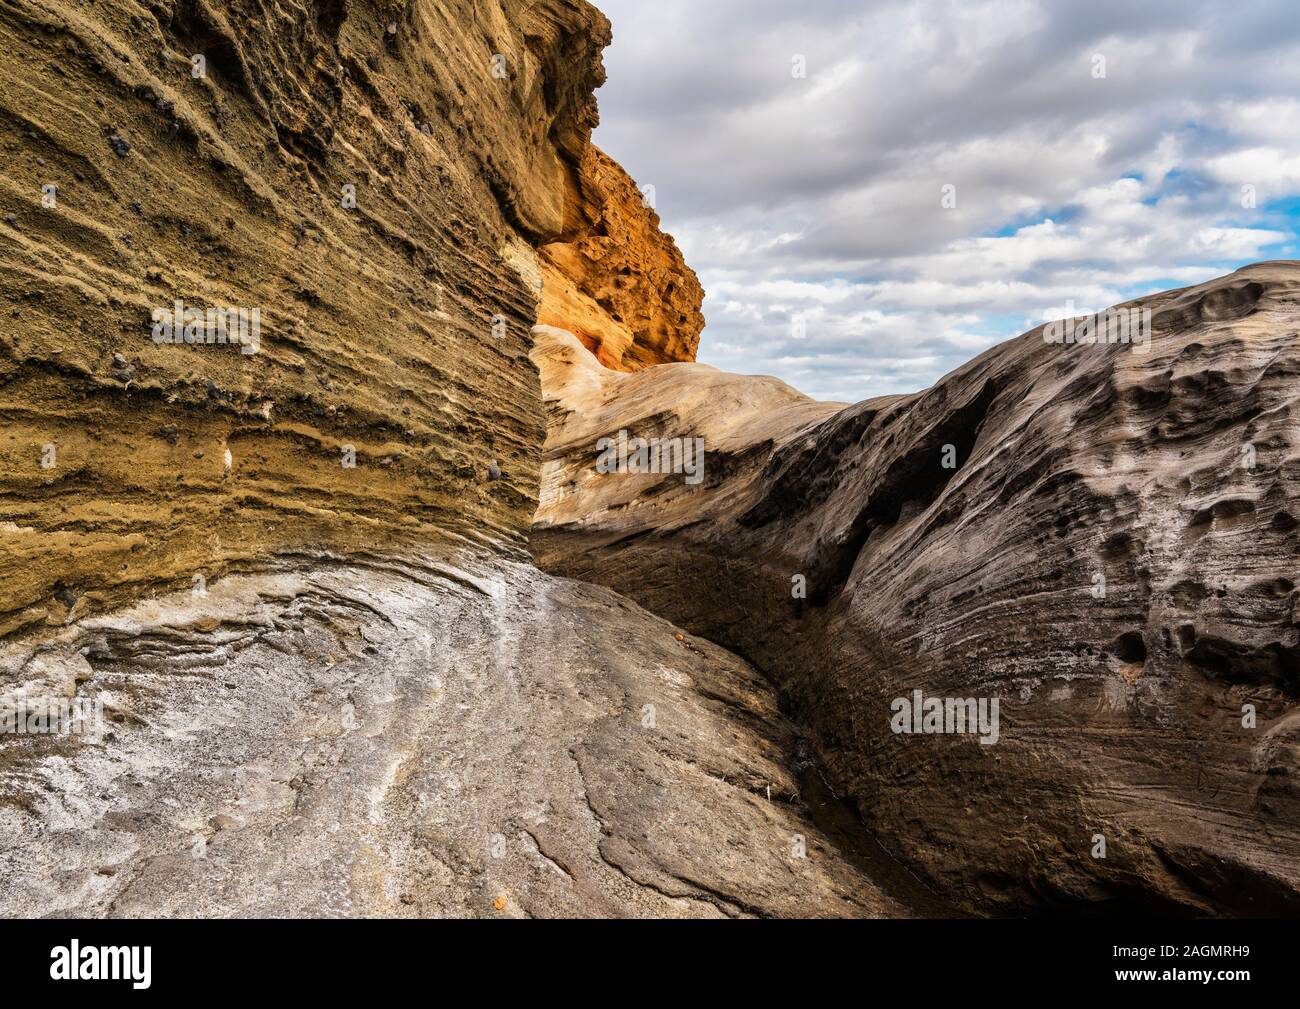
(1102, 539)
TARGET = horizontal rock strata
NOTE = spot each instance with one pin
(372, 180)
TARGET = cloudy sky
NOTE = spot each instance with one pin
(1098, 150)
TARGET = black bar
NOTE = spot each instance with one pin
(1052, 958)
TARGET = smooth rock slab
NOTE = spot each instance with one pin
(398, 739)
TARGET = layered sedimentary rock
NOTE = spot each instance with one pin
(371, 179)
(1100, 537)
(293, 581)
(617, 282)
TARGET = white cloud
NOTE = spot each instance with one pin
(820, 198)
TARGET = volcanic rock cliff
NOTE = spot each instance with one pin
(373, 180)
(1101, 538)
(291, 584)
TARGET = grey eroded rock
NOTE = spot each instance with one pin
(1102, 537)
(464, 736)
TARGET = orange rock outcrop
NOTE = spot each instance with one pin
(617, 281)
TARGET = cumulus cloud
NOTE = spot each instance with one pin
(948, 171)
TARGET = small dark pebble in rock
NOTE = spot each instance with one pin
(120, 145)
(494, 471)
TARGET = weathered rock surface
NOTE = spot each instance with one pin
(618, 283)
(742, 415)
(1112, 554)
(452, 734)
(397, 327)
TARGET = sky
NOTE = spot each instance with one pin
(1095, 151)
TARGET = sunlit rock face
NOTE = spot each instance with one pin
(1098, 536)
(372, 184)
(446, 734)
(619, 283)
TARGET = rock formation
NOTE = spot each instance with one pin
(1101, 538)
(421, 737)
(372, 184)
(290, 574)
(619, 284)
(286, 578)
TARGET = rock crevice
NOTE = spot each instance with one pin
(1097, 536)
